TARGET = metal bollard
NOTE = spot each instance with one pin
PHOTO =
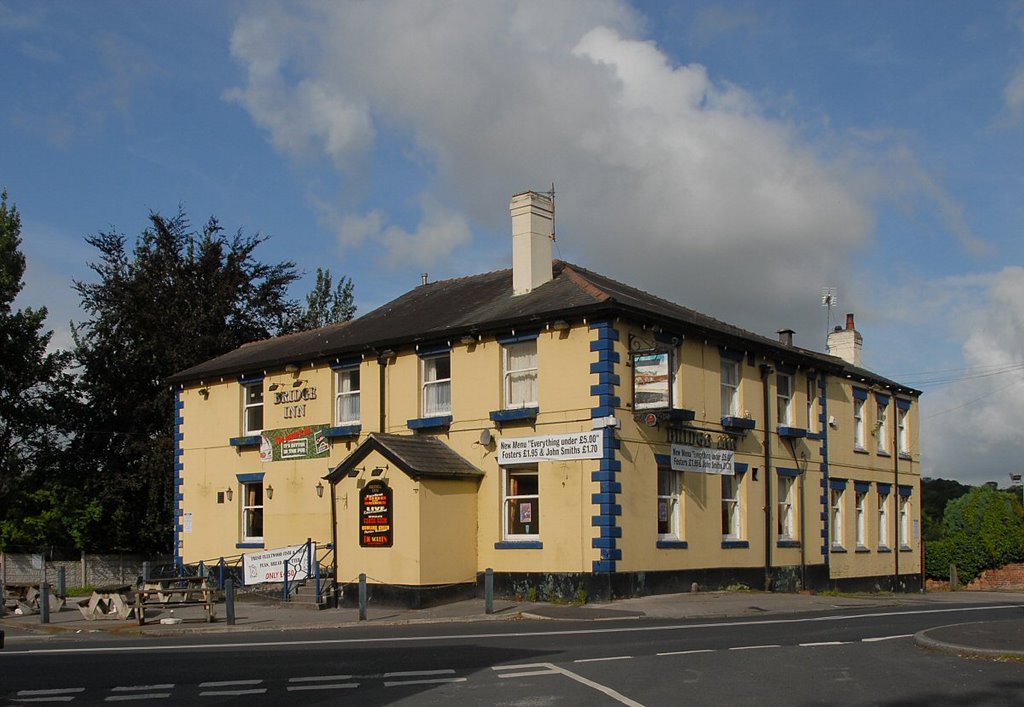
(44, 603)
(229, 601)
(362, 597)
(61, 584)
(146, 570)
(489, 591)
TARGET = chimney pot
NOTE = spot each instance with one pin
(849, 322)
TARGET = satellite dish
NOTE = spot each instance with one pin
(486, 437)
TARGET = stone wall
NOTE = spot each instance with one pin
(87, 571)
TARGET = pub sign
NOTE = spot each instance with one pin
(376, 515)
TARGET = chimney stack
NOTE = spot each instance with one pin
(846, 343)
(533, 219)
(786, 337)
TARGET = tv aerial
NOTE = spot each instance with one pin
(829, 299)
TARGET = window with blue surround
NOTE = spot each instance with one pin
(670, 504)
(436, 394)
(346, 396)
(252, 406)
(520, 504)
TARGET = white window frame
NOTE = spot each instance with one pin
(252, 511)
(902, 436)
(731, 507)
(881, 427)
(730, 381)
(520, 384)
(812, 405)
(883, 519)
(347, 396)
(670, 503)
(836, 498)
(784, 399)
(858, 423)
(904, 505)
(860, 501)
(434, 386)
(512, 501)
(250, 406)
(786, 526)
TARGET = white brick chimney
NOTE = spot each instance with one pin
(846, 343)
(533, 220)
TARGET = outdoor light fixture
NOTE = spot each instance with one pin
(229, 493)
(378, 470)
(298, 382)
(353, 472)
(560, 325)
(205, 392)
(273, 386)
(319, 489)
(467, 339)
(291, 368)
(270, 491)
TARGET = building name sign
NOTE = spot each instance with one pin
(295, 401)
(702, 460)
(524, 450)
(697, 438)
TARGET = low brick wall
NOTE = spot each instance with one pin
(1006, 578)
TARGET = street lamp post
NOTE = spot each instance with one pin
(1016, 479)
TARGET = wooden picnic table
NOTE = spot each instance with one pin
(189, 591)
(27, 598)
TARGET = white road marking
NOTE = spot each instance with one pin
(598, 660)
(325, 686)
(823, 643)
(53, 691)
(886, 638)
(58, 698)
(232, 693)
(754, 648)
(418, 673)
(526, 674)
(229, 683)
(140, 688)
(316, 678)
(502, 636)
(617, 696)
(138, 696)
(699, 650)
(434, 681)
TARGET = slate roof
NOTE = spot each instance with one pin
(419, 457)
(444, 311)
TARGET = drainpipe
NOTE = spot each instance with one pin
(382, 359)
(334, 540)
(766, 371)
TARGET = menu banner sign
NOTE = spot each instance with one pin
(305, 442)
(524, 450)
(703, 460)
(268, 565)
(376, 515)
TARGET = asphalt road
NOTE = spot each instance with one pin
(849, 657)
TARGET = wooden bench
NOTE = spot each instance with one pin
(177, 591)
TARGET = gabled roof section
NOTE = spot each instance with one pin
(418, 457)
(482, 304)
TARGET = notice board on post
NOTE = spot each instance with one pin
(376, 515)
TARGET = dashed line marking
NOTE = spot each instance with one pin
(142, 688)
(599, 660)
(137, 696)
(429, 681)
(53, 691)
(325, 686)
(418, 673)
(754, 648)
(232, 693)
(886, 638)
(320, 678)
(229, 683)
(823, 643)
(699, 650)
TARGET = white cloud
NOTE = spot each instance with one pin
(440, 232)
(1013, 98)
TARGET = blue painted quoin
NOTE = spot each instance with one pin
(607, 520)
(179, 467)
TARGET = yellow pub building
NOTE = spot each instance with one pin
(576, 435)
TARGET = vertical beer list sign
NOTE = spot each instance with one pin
(376, 515)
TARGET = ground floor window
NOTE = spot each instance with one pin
(521, 503)
(860, 498)
(670, 507)
(883, 519)
(252, 512)
(730, 507)
(904, 521)
(787, 514)
(837, 516)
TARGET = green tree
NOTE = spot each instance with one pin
(935, 494)
(327, 303)
(980, 530)
(176, 298)
(38, 505)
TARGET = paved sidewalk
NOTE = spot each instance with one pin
(253, 613)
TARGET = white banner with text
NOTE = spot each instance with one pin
(524, 450)
(703, 460)
(268, 565)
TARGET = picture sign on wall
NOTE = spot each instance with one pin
(305, 442)
(702, 460)
(652, 381)
(376, 515)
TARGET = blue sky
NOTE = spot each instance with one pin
(734, 157)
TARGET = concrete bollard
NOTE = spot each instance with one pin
(489, 591)
(229, 601)
(44, 603)
(362, 597)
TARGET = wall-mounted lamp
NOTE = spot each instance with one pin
(229, 494)
(387, 354)
(205, 392)
(353, 473)
(273, 386)
(319, 489)
(270, 491)
(379, 470)
(291, 368)
(467, 339)
(298, 382)
(560, 325)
